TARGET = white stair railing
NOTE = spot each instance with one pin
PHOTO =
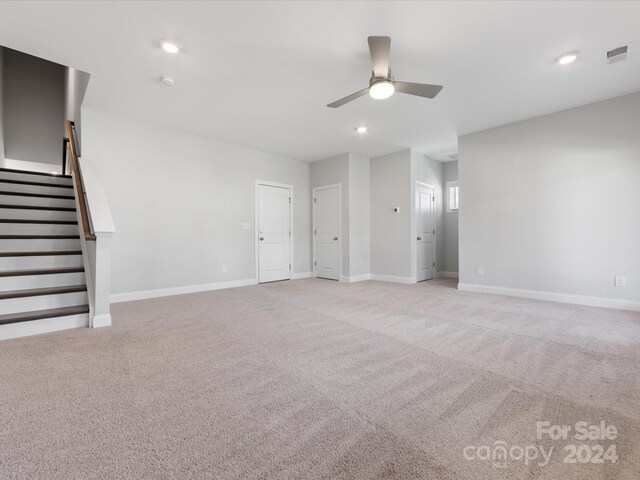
(96, 228)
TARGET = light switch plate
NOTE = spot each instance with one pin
(480, 271)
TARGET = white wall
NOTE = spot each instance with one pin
(75, 87)
(391, 240)
(429, 171)
(450, 174)
(552, 204)
(328, 172)
(179, 200)
(33, 108)
(359, 217)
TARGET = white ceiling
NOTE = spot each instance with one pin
(261, 73)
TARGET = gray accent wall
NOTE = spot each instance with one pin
(552, 204)
(450, 174)
(391, 239)
(359, 216)
(34, 108)
(179, 202)
(393, 244)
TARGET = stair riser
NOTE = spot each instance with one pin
(24, 177)
(39, 262)
(46, 325)
(38, 229)
(43, 302)
(39, 189)
(37, 201)
(23, 214)
(37, 245)
(41, 281)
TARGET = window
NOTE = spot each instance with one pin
(452, 197)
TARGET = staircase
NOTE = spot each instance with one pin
(42, 280)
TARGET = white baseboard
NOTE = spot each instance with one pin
(166, 292)
(392, 278)
(446, 274)
(99, 321)
(46, 325)
(553, 296)
(356, 278)
(298, 276)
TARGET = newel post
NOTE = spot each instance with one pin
(102, 281)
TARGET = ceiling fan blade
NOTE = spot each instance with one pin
(380, 47)
(353, 96)
(419, 89)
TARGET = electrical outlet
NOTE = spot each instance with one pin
(224, 268)
(620, 281)
(480, 271)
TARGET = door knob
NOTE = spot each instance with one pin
(419, 238)
(261, 238)
(335, 238)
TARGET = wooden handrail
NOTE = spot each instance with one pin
(84, 216)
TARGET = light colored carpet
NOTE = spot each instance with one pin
(313, 379)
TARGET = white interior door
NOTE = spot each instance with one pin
(425, 228)
(326, 219)
(274, 233)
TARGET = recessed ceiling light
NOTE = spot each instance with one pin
(567, 58)
(168, 81)
(382, 89)
(170, 47)
(361, 129)
(54, 173)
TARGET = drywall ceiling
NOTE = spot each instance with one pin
(260, 73)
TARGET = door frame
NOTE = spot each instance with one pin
(414, 231)
(256, 224)
(313, 226)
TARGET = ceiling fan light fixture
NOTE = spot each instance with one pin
(381, 89)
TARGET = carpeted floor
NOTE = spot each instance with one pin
(313, 379)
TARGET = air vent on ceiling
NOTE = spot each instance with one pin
(617, 55)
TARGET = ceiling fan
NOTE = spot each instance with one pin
(381, 84)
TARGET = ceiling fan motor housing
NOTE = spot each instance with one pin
(374, 79)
